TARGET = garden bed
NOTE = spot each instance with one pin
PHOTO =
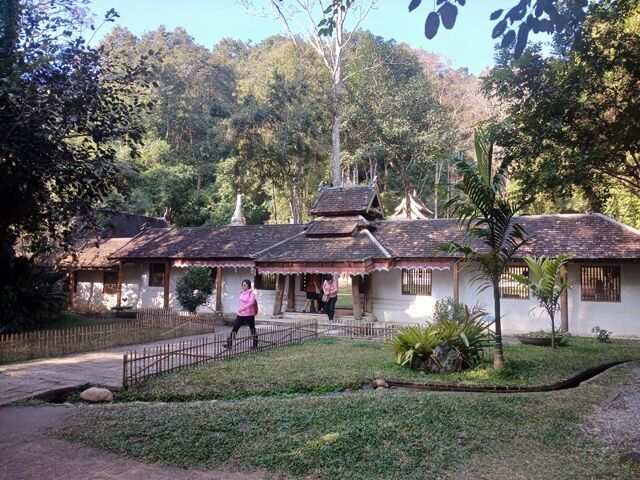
(328, 365)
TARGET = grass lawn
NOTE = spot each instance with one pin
(72, 320)
(326, 365)
(365, 435)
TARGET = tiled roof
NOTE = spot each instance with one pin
(588, 236)
(95, 254)
(416, 238)
(585, 236)
(346, 201)
(316, 249)
(127, 225)
(339, 226)
(206, 242)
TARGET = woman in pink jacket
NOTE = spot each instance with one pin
(330, 290)
(247, 311)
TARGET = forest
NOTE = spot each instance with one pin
(256, 119)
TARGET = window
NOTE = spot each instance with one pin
(509, 288)
(110, 283)
(600, 284)
(416, 282)
(265, 281)
(156, 274)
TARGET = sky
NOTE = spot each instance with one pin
(467, 45)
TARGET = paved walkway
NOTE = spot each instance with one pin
(28, 452)
(26, 379)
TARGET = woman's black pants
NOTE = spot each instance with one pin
(330, 306)
(250, 321)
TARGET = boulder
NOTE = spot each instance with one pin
(445, 359)
(379, 383)
(96, 395)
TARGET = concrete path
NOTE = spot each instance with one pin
(29, 452)
(26, 379)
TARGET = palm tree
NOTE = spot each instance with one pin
(483, 207)
(546, 283)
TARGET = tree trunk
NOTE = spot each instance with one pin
(407, 201)
(553, 331)
(275, 205)
(498, 358)
(335, 135)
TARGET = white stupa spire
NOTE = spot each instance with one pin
(238, 217)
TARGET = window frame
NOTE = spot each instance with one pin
(587, 273)
(153, 274)
(408, 285)
(260, 284)
(514, 295)
(109, 288)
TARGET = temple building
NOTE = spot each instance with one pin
(388, 270)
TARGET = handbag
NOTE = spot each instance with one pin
(325, 298)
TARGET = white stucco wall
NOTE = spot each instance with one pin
(88, 296)
(390, 305)
(516, 313)
(623, 318)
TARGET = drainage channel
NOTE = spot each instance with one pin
(65, 395)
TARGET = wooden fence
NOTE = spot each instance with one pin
(149, 325)
(151, 361)
(140, 365)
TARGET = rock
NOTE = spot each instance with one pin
(379, 384)
(444, 360)
(630, 457)
(95, 395)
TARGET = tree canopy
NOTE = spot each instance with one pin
(573, 118)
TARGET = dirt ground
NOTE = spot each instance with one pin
(28, 452)
(617, 421)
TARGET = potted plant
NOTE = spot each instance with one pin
(546, 284)
(540, 338)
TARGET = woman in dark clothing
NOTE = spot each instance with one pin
(330, 297)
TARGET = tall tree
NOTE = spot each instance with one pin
(325, 29)
(62, 105)
(283, 132)
(394, 127)
(487, 213)
(574, 117)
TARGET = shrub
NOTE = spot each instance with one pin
(194, 287)
(453, 341)
(601, 334)
(30, 295)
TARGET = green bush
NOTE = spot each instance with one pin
(30, 296)
(453, 341)
(194, 288)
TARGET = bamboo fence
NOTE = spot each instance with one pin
(152, 361)
(149, 325)
(140, 365)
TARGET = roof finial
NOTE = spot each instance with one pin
(238, 217)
